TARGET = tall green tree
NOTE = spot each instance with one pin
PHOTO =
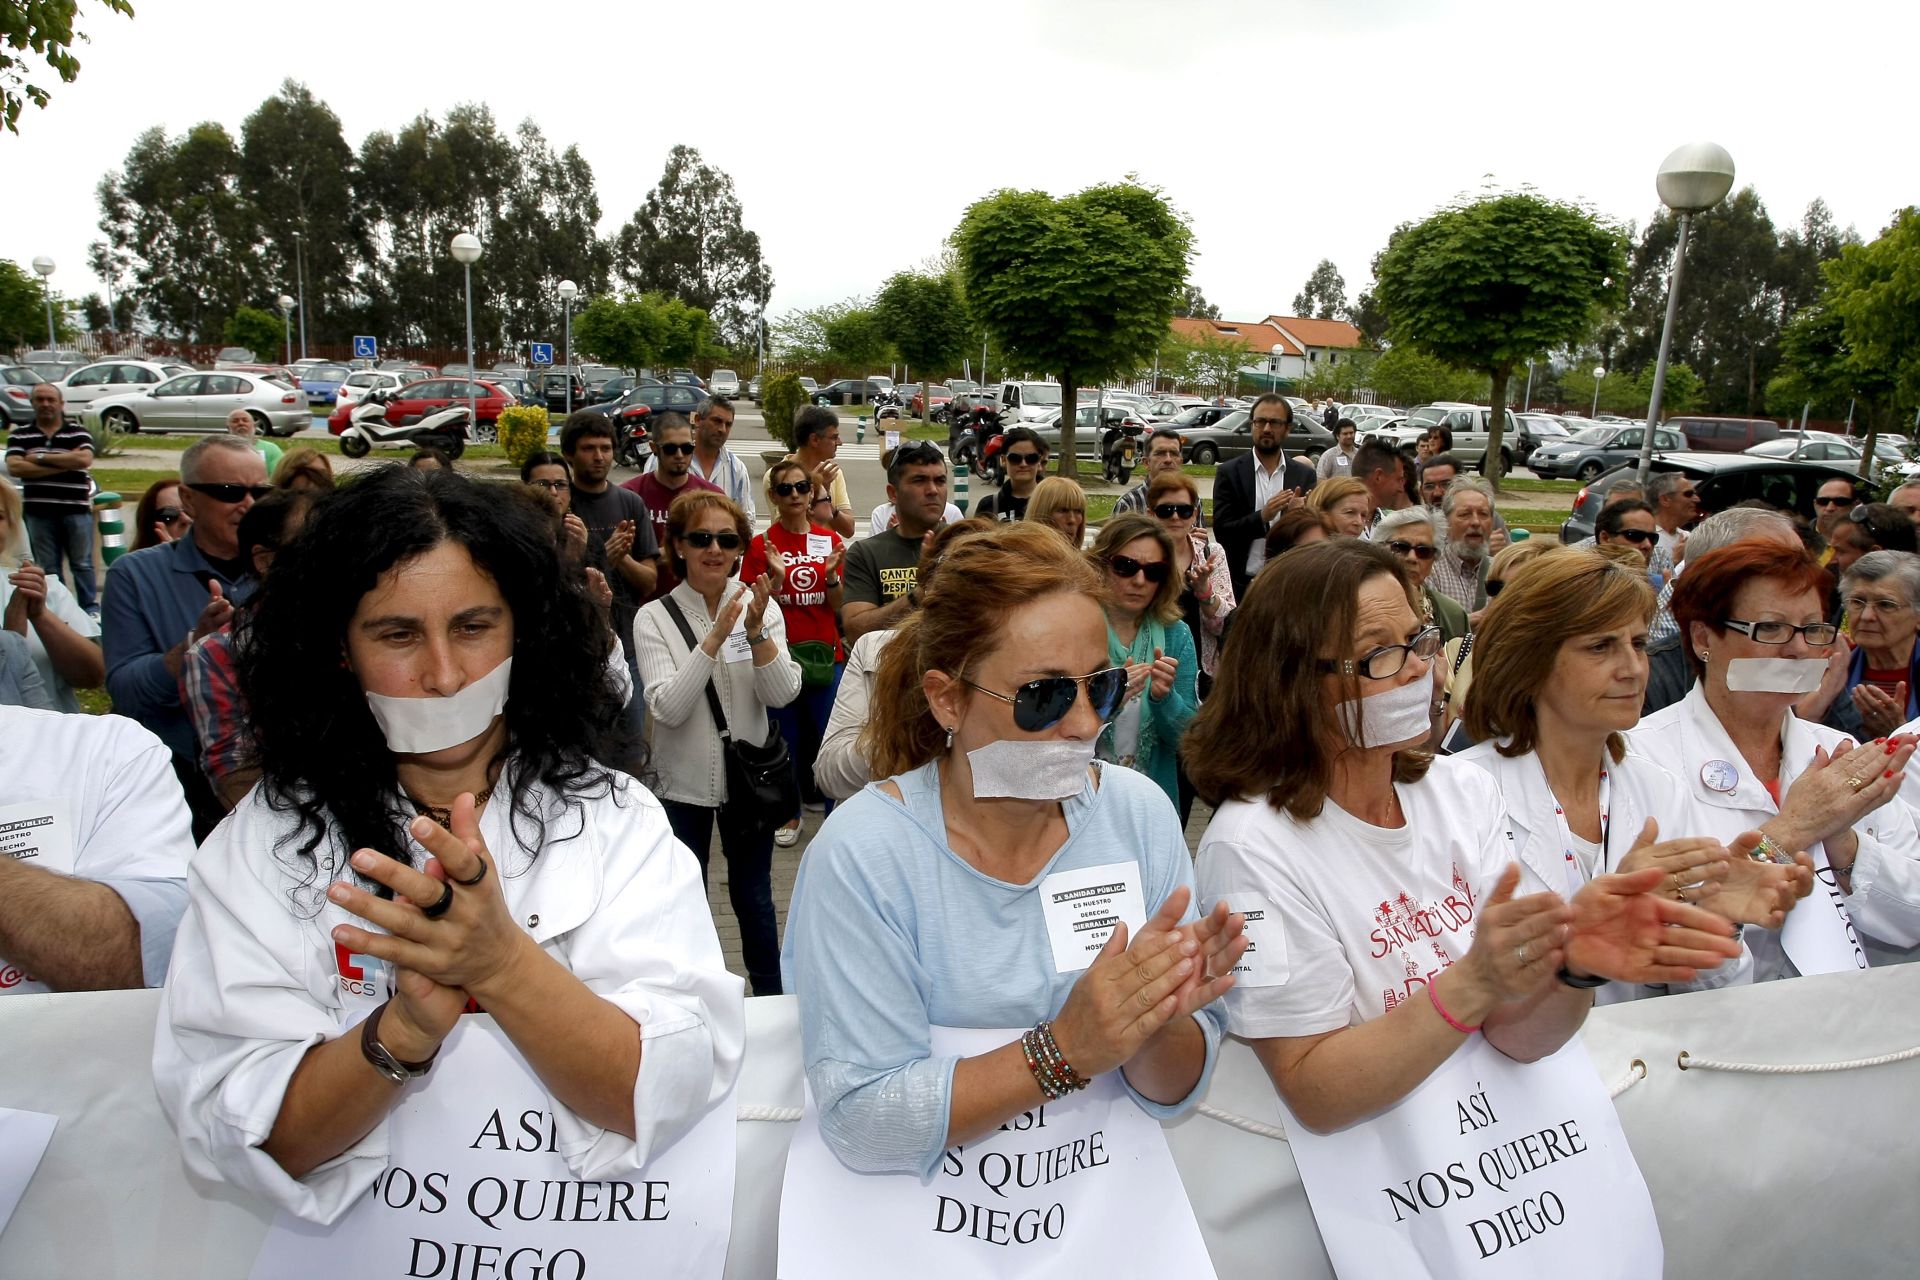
(688, 239)
(1194, 303)
(924, 319)
(1082, 287)
(257, 330)
(651, 329)
(296, 169)
(23, 315)
(1492, 283)
(1324, 295)
(45, 29)
(546, 233)
(855, 338)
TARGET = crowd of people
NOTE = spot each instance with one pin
(477, 739)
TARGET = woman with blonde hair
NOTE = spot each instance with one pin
(60, 637)
(304, 468)
(1147, 636)
(1062, 504)
(1344, 502)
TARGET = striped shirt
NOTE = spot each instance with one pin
(63, 493)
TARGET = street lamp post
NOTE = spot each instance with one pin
(44, 265)
(568, 292)
(286, 322)
(1693, 179)
(466, 251)
(300, 279)
(1598, 374)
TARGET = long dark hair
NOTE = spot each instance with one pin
(322, 755)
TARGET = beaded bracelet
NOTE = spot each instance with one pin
(1050, 1068)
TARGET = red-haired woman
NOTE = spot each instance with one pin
(1753, 619)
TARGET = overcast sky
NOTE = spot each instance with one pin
(858, 130)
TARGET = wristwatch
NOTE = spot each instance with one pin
(754, 638)
(1587, 983)
(382, 1059)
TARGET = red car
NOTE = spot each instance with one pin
(418, 399)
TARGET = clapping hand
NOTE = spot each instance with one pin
(1883, 712)
(762, 590)
(1517, 943)
(576, 533)
(1130, 992)
(1160, 675)
(620, 541)
(598, 589)
(830, 572)
(1623, 929)
(29, 598)
(776, 566)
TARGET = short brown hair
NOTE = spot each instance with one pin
(1116, 533)
(688, 508)
(1560, 595)
(1705, 592)
(962, 617)
(1167, 482)
(305, 462)
(1264, 730)
(1288, 529)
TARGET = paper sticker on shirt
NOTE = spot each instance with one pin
(1265, 961)
(39, 833)
(820, 545)
(1083, 906)
(735, 647)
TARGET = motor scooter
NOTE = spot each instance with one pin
(979, 444)
(887, 405)
(368, 429)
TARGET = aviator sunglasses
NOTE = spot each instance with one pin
(1041, 704)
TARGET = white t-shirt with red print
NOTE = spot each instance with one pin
(1348, 920)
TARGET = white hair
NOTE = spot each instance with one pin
(1392, 522)
(197, 451)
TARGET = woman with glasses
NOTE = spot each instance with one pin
(1880, 593)
(1343, 500)
(804, 559)
(61, 640)
(1199, 565)
(1562, 658)
(435, 830)
(160, 517)
(1026, 457)
(1409, 534)
(714, 632)
(548, 475)
(1752, 616)
(921, 907)
(1390, 929)
(1146, 635)
(1060, 503)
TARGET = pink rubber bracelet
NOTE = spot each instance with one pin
(1433, 995)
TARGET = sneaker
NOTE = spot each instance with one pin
(787, 837)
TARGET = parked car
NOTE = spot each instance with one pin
(1092, 427)
(1200, 415)
(416, 400)
(1722, 480)
(554, 391)
(1024, 403)
(1166, 408)
(961, 386)
(112, 377)
(1822, 447)
(685, 378)
(659, 397)
(1724, 435)
(614, 388)
(1231, 434)
(808, 385)
(201, 402)
(1586, 454)
(56, 364)
(724, 382)
(322, 382)
(229, 357)
(1471, 426)
(359, 383)
(458, 369)
(882, 379)
(520, 388)
(753, 388)
(848, 391)
(16, 394)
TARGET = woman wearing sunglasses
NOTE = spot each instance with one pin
(160, 517)
(1753, 622)
(738, 648)
(1199, 564)
(921, 906)
(1147, 636)
(804, 559)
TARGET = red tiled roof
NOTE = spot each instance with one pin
(1257, 335)
(1318, 333)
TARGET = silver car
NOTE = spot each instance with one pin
(201, 402)
(114, 377)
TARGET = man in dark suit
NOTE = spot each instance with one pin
(1253, 490)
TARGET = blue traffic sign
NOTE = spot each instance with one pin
(542, 353)
(365, 348)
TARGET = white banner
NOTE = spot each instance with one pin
(1491, 1168)
(1083, 1186)
(475, 1186)
(1819, 936)
(24, 1136)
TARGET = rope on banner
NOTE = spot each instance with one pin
(1243, 1123)
(1636, 1072)
(778, 1115)
(1689, 1063)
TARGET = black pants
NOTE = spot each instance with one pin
(748, 849)
(202, 803)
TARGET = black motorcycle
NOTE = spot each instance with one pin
(976, 443)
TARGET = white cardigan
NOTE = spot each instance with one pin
(840, 769)
(686, 757)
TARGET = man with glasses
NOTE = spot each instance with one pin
(1255, 489)
(881, 570)
(1676, 502)
(1026, 456)
(161, 600)
(1831, 502)
(1163, 455)
(52, 460)
(1436, 473)
(816, 439)
(1630, 523)
(673, 449)
(1865, 527)
(712, 460)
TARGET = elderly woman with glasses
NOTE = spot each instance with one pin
(1880, 593)
(1147, 636)
(1752, 616)
(1410, 535)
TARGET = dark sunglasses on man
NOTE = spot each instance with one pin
(1128, 567)
(1638, 537)
(232, 493)
(1831, 502)
(670, 450)
(1041, 704)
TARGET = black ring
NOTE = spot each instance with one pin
(468, 884)
(434, 910)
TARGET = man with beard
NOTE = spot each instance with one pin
(882, 570)
(1255, 489)
(1460, 568)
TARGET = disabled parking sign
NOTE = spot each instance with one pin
(365, 348)
(542, 352)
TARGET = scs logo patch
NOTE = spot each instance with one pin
(359, 973)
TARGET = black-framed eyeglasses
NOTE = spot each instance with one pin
(1772, 632)
(1388, 659)
(1638, 537)
(701, 539)
(232, 493)
(1270, 422)
(1175, 510)
(1041, 704)
(1025, 459)
(1418, 550)
(684, 450)
(554, 486)
(787, 488)
(1128, 567)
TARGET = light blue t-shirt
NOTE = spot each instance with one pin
(891, 932)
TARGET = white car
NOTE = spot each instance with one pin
(886, 383)
(724, 382)
(357, 385)
(112, 377)
(201, 402)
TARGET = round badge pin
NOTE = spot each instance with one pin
(1719, 775)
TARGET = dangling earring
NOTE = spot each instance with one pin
(1703, 655)
(949, 737)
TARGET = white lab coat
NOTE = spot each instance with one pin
(258, 981)
(1638, 789)
(1885, 902)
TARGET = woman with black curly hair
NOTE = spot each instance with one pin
(435, 830)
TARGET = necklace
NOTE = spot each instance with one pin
(445, 816)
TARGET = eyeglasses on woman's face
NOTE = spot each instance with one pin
(1769, 631)
(1388, 659)
(551, 486)
(1041, 704)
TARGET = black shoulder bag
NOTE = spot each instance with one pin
(758, 777)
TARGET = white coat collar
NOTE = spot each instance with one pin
(1710, 744)
(1530, 803)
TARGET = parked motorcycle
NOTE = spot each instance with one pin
(978, 445)
(368, 429)
(1119, 451)
(888, 404)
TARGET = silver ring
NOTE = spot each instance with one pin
(1520, 953)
